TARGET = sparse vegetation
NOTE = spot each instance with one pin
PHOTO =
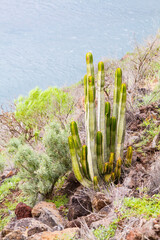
(146, 206)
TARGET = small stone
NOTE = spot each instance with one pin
(100, 201)
(80, 205)
(134, 235)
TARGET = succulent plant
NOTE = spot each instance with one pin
(102, 156)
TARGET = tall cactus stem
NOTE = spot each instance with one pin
(99, 143)
(75, 164)
(121, 122)
(86, 102)
(113, 134)
(108, 130)
(118, 168)
(85, 89)
(117, 89)
(107, 177)
(128, 160)
(91, 134)
(90, 66)
(95, 182)
(111, 162)
(84, 162)
(101, 107)
(75, 135)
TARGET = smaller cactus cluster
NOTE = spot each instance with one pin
(101, 158)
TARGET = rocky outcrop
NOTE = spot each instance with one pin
(23, 211)
(45, 218)
(47, 213)
(93, 217)
(149, 230)
(23, 228)
(65, 234)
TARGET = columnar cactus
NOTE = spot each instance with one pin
(102, 156)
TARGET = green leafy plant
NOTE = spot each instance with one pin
(102, 156)
(151, 129)
(7, 185)
(145, 206)
(102, 233)
(42, 107)
(60, 200)
(10, 196)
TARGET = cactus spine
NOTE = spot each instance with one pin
(102, 156)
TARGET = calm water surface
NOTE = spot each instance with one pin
(43, 42)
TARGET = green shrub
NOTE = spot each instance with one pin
(56, 144)
(40, 171)
(42, 107)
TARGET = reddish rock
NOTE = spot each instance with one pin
(134, 235)
(23, 211)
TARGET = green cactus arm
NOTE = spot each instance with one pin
(128, 160)
(84, 162)
(121, 122)
(107, 177)
(108, 130)
(75, 164)
(90, 66)
(95, 183)
(99, 142)
(75, 135)
(91, 129)
(101, 107)
(86, 102)
(117, 88)
(113, 134)
(105, 169)
(111, 162)
(118, 168)
(85, 88)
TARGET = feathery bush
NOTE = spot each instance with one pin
(40, 171)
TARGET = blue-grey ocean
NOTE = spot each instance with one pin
(44, 42)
